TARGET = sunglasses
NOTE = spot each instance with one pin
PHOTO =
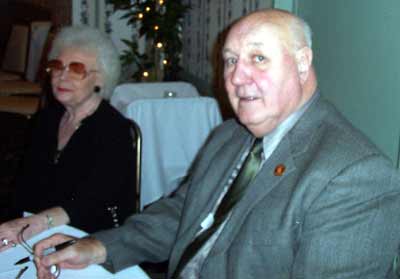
(75, 70)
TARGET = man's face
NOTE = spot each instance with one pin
(261, 76)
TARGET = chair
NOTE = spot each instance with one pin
(15, 57)
(173, 131)
(137, 146)
(129, 92)
(24, 96)
(39, 38)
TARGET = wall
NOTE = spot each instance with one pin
(61, 10)
(356, 53)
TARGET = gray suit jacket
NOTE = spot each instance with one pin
(334, 213)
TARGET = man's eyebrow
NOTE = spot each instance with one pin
(255, 44)
(226, 50)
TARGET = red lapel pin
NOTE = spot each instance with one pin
(279, 170)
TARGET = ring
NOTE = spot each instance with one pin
(4, 241)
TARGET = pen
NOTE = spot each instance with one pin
(49, 250)
(21, 272)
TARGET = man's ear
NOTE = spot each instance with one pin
(304, 61)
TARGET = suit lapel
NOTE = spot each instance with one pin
(260, 187)
(205, 195)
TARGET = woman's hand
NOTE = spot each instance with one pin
(9, 230)
(84, 252)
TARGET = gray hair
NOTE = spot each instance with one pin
(301, 31)
(94, 41)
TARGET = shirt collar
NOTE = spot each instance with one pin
(272, 139)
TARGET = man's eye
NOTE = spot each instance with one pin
(259, 58)
(230, 61)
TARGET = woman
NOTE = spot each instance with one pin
(80, 169)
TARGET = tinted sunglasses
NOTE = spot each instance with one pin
(75, 70)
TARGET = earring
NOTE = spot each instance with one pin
(97, 89)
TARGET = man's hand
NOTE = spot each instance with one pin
(84, 252)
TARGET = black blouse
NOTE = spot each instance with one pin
(94, 178)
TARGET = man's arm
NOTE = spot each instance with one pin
(148, 236)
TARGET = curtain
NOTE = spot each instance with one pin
(203, 29)
(93, 13)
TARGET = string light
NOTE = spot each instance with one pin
(156, 27)
(161, 2)
(145, 74)
(148, 9)
(165, 62)
(159, 45)
(140, 15)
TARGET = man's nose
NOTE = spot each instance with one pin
(241, 74)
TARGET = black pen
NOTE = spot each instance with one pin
(49, 251)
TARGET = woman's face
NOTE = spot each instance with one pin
(72, 89)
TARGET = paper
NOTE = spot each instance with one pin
(9, 271)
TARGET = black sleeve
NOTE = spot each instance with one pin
(109, 183)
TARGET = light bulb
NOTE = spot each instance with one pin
(145, 74)
(148, 9)
(159, 45)
(165, 62)
(140, 15)
(156, 27)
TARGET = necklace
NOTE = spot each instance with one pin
(67, 130)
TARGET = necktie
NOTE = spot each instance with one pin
(246, 174)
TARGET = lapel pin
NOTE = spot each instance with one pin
(279, 170)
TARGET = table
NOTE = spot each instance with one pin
(21, 105)
(9, 271)
(173, 131)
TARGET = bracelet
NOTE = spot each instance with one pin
(50, 221)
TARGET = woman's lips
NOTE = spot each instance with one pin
(63, 90)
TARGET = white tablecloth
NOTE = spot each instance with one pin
(9, 271)
(126, 93)
(173, 131)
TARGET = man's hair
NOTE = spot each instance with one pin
(92, 40)
(301, 32)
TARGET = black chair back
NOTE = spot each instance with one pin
(137, 147)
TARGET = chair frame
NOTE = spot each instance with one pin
(137, 146)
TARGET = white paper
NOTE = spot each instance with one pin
(9, 271)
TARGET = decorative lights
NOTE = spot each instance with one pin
(159, 22)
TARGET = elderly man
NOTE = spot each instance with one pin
(288, 190)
